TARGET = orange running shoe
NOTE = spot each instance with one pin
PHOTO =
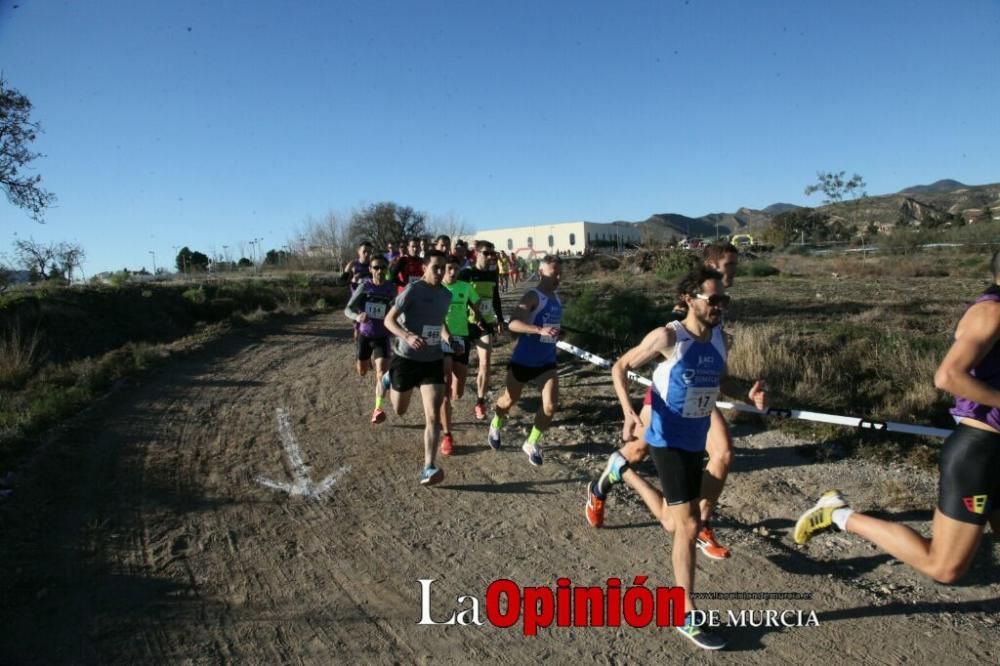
(708, 545)
(595, 507)
(447, 444)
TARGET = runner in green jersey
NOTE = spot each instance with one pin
(464, 299)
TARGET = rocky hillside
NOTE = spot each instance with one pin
(919, 205)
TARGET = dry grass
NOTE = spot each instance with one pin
(18, 355)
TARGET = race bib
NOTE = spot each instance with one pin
(699, 402)
(431, 335)
(548, 339)
(375, 310)
(487, 311)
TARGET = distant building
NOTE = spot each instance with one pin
(564, 237)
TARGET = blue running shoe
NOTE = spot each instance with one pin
(534, 453)
(431, 476)
(701, 637)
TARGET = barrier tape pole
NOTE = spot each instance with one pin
(819, 417)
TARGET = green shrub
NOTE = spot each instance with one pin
(675, 264)
(195, 295)
(757, 268)
(611, 320)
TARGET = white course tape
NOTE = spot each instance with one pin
(850, 421)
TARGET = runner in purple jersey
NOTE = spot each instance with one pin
(969, 477)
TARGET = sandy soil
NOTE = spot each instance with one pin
(142, 533)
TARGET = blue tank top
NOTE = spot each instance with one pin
(685, 388)
(988, 372)
(536, 351)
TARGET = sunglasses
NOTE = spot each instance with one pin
(378, 267)
(715, 300)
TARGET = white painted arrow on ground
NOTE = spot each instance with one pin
(301, 483)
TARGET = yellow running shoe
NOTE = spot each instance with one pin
(818, 518)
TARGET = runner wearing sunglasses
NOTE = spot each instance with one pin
(722, 258)
(367, 309)
(686, 383)
(484, 279)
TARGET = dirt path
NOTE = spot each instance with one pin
(144, 536)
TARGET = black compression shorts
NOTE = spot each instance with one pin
(969, 481)
(679, 472)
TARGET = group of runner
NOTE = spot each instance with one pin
(438, 307)
(679, 421)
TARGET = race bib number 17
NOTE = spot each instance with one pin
(699, 402)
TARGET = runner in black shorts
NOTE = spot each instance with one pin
(418, 321)
(367, 308)
(969, 480)
(484, 279)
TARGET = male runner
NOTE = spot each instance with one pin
(417, 320)
(367, 308)
(686, 383)
(464, 299)
(359, 269)
(969, 469)
(409, 267)
(483, 278)
(722, 258)
(443, 244)
(536, 320)
(503, 270)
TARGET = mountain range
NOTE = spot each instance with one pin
(912, 205)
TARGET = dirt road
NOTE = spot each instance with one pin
(143, 534)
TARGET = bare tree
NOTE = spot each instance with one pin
(385, 222)
(450, 225)
(40, 258)
(16, 133)
(70, 257)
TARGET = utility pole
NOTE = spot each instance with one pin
(154, 261)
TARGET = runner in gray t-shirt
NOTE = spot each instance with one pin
(418, 321)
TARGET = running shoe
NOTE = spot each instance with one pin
(534, 453)
(378, 416)
(480, 410)
(447, 444)
(707, 544)
(431, 476)
(701, 637)
(595, 507)
(386, 382)
(820, 517)
(493, 438)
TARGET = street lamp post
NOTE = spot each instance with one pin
(154, 261)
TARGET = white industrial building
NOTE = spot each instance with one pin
(563, 237)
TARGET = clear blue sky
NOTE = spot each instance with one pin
(213, 122)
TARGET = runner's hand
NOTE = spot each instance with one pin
(362, 318)
(548, 332)
(415, 341)
(632, 422)
(758, 394)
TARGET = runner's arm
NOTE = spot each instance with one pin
(737, 388)
(355, 307)
(977, 333)
(497, 305)
(656, 344)
(519, 319)
(413, 340)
